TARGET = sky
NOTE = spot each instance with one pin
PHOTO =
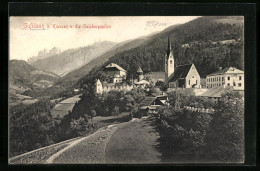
(29, 35)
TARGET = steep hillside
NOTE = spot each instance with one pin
(74, 76)
(24, 76)
(202, 41)
(64, 62)
(209, 42)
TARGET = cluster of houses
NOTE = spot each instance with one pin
(182, 76)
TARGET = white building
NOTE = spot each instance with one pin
(229, 76)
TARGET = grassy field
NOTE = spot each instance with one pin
(135, 142)
(61, 109)
(102, 121)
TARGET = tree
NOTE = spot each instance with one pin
(115, 111)
(92, 113)
(225, 138)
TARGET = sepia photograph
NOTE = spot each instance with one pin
(126, 90)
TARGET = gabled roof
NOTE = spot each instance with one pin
(216, 91)
(113, 65)
(139, 70)
(147, 101)
(181, 71)
(98, 82)
(227, 70)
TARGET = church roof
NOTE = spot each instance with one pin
(114, 66)
(139, 70)
(227, 70)
(181, 71)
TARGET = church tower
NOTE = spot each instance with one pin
(140, 74)
(98, 87)
(169, 61)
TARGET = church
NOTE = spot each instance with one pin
(182, 76)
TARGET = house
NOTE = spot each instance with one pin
(115, 71)
(229, 76)
(117, 80)
(184, 76)
(150, 104)
(160, 95)
(215, 93)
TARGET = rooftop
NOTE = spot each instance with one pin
(114, 66)
(181, 71)
(216, 91)
(227, 70)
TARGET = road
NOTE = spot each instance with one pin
(130, 142)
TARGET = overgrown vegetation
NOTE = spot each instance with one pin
(199, 136)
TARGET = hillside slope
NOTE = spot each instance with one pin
(74, 76)
(71, 59)
(208, 42)
(23, 75)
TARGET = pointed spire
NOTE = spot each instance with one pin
(140, 70)
(169, 46)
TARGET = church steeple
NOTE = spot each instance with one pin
(169, 46)
(169, 61)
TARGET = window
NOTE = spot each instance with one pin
(222, 78)
(228, 84)
(196, 81)
(240, 77)
(228, 78)
(170, 61)
(189, 82)
(239, 84)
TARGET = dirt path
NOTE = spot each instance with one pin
(129, 142)
(135, 142)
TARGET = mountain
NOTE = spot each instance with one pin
(74, 76)
(23, 76)
(208, 42)
(44, 54)
(62, 63)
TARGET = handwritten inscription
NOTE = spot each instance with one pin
(154, 24)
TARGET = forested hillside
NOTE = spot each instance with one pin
(209, 42)
(22, 74)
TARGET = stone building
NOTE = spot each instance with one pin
(229, 76)
(117, 80)
(184, 76)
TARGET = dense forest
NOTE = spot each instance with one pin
(204, 48)
(202, 137)
(208, 42)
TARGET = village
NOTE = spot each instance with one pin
(174, 78)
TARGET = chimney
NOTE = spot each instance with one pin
(220, 68)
